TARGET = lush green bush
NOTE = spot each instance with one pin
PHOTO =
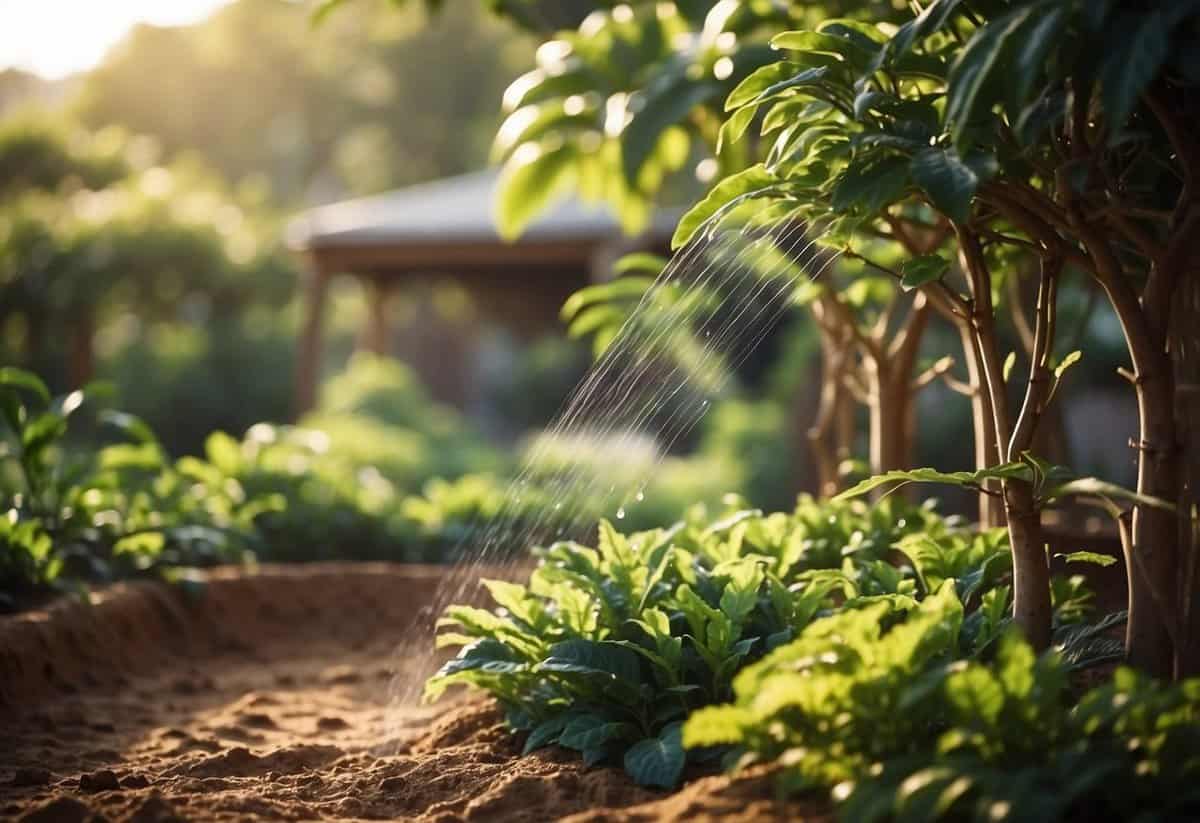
(347, 468)
(888, 668)
(99, 513)
(608, 649)
(912, 720)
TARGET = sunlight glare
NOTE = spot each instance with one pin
(55, 38)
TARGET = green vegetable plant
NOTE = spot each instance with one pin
(79, 512)
(899, 721)
(607, 649)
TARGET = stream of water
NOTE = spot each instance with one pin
(716, 299)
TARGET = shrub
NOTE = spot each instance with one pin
(608, 649)
(99, 513)
(906, 721)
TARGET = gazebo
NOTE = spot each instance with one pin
(445, 229)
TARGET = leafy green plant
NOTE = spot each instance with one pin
(608, 649)
(886, 712)
(80, 512)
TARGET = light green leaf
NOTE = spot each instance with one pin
(1088, 557)
(1015, 469)
(14, 378)
(1100, 488)
(532, 178)
(716, 726)
(1067, 362)
(754, 179)
(1009, 362)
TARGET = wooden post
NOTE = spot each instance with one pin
(377, 336)
(82, 364)
(308, 364)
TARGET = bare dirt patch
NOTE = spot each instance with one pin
(267, 696)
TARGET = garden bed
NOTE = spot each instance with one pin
(267, 694)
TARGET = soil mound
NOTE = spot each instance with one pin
(265, 695)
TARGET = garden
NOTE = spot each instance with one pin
(868, 491)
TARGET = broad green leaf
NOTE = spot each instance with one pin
(754, 179)
(532, 178)
(593, 657)
(1017, 469)
(641, 262)
(130, 425)
(932, 18)
(665, 104)
(976, 693)
(1127, 74)
(1094, 486)
(591, 731)
(917, 271)
(223, 452)
(733, 128)
(14, 378)
(657, 761)
(867, 188)
(849, 50)
(975, 80)
(759, 81)
(42, 432)
(949, 182)
(545, 732)
(626, 288)
(1038, 38)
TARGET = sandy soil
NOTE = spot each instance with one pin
(268, 696)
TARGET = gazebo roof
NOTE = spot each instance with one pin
(454, 213)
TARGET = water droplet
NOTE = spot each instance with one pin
(557, 506)
(621, 513)
(640, 496)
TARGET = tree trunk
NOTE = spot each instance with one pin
(1031, 574)
(81, 364)
(1152, 558)
(1154, 568)
(991, 514)
(822, 435)
(1031, 571)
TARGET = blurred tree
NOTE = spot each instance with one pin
(369, 100)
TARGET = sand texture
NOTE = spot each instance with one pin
(267, 695)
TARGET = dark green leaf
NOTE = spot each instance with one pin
(663, 105)
(1128, 72)
(657, 761)
(867, 188)
(13, 378)
(918, 271)
(949, 182)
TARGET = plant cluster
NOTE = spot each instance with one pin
(869, 652)
(913, 719)
(968, 161)
(96, 514)
(608, 649)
